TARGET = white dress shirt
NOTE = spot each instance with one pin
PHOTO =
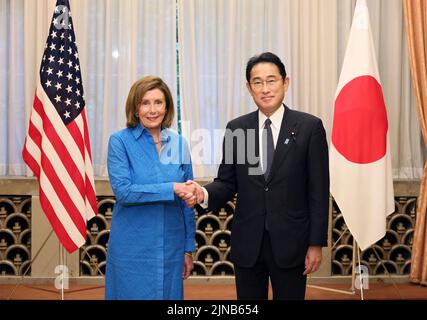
(276, 123)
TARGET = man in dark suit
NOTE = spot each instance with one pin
(281, 217)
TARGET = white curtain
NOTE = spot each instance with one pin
(12, 77)
(119, 41)
(217, 37)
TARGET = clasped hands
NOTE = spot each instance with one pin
(191, 192)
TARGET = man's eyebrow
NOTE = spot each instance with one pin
(269, 76)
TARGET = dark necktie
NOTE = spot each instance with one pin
(268, 158)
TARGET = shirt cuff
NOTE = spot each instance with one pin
(204, 204)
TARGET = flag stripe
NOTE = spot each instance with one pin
(91, 207)
(90, 184)
(30, 160)
(86, 135)
(57, 224)
(31, 152)
(60, 170)
(32, 149)
(51, 173)
(90, 190)
(59, 147)
(77, 134)
(35, 123)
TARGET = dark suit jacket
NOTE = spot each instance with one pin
(294, 199)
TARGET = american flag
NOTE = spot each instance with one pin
(57, 146)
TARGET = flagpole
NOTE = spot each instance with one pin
(353, 269)
(362, 277)
(61, 263)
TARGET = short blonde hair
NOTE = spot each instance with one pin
(138, 91)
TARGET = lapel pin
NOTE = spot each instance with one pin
(294, 136)
(287, 141)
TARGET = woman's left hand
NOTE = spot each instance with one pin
(188, 266)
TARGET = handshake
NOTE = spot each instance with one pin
(191, 192)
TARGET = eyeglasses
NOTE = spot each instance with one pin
(257, 85)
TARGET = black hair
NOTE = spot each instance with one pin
(265, 57)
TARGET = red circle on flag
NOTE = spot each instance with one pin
(360, 121)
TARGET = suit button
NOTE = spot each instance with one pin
(266, 189)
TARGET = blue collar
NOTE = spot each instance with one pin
(140, 130)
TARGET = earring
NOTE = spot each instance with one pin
(136, 114)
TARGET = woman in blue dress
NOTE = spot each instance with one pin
(152, 229)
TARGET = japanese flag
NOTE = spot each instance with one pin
(360, 162)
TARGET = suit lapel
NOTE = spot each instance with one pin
(285, 141)
(253, 124)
